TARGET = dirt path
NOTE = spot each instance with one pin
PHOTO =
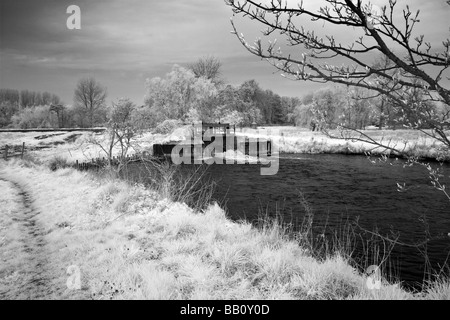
(23, 256)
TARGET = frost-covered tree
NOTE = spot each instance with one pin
(33, 117)
(7, 110)
(178, 92)
(236, 105)
(288, 107)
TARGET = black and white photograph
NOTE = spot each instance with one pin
(223, 154)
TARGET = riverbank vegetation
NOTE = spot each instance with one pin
(132, 242)
(85, 146)
(411, 143)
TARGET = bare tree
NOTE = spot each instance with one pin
(209, 68)
(90, 95)
(122, 127)
(414, 65)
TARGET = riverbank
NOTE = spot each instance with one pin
(128, 242)
(300, 140)
(78, 145)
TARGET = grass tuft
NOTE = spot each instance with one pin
(57, 163)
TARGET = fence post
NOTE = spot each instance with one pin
(23, 149)
(6, 152)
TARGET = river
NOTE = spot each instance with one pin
(341, 188)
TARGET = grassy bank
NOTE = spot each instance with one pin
(130, 243)
(300, 140)
(72, 146)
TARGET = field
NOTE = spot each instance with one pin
(71, 146)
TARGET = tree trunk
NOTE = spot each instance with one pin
(380, 121)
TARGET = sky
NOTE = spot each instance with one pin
(122, 43)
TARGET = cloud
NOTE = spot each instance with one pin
(116, 34)
(124, 42)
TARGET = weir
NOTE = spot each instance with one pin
(212, 138)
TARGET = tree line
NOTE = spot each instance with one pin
(15, 105)
(198, 92)
(31, 109)
(357, 108)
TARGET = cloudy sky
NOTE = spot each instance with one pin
(122, 43)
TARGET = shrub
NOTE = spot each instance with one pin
(191, 186)
(33, 117)
(7, 110)
(167, 126)
(58, 163)
(30, 160)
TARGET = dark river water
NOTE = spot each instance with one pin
(340, 188)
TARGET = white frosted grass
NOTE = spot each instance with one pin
(130, 243)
